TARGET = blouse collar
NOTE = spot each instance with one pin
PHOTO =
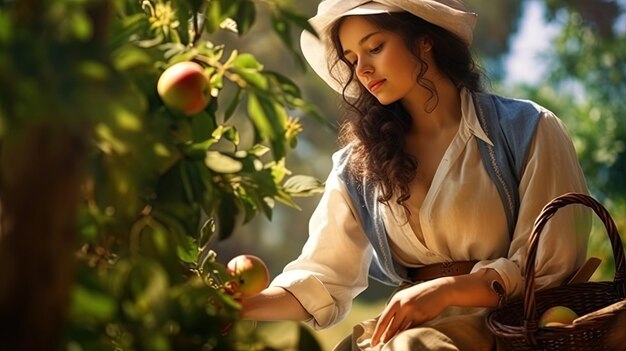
(470, 118)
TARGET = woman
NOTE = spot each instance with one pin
(435, 189)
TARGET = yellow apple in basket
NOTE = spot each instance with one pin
(557, 316)
(251, 274)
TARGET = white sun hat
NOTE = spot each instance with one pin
(450, 15)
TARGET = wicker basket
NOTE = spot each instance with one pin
(597, 303)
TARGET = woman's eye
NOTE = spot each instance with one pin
(377, 49)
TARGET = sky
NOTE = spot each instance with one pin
(523, 63)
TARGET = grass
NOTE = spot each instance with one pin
(329, 337)
(284, 335)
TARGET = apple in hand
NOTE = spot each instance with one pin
(184, 87)
(250, 273)
(557, 316)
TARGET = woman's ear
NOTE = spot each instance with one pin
(426, 44)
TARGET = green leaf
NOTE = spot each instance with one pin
(301, 185)
(210, 196)
(203, 124)
(169, 187)
(226, 216)
(80, 24)
(286, 199)
(232, 107)
(93, 70)
(198, 151)
(246, 14)
(247, 61)
(206, 232)
(259, 150)
(92, 304)
(297, 19)
(128, 26)
(186, 248)
(286, 85)
(279, 170)
(232, 135)
(229, 132)
(269, 119)
(249, 69)
(216, 82)
(307, 341)
(217, 11)
(6, 27)
(221, 163)
(180, 216)
(149, 283)
(267, 205)
(283, 29)
(195, 5)
(186, 180)
(261, 115)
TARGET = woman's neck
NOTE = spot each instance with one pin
(446, 113)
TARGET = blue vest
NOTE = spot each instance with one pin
(509, 123)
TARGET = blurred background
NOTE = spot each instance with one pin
(568, 55)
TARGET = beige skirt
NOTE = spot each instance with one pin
(455, 329)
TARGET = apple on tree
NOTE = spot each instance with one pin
(250, 273)
(184, 87)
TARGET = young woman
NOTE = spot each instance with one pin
(436, 186)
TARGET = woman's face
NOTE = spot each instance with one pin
(381, 60)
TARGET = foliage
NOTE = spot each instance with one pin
(585, 86)
(495, 23)
(598, 65)
(158, 185)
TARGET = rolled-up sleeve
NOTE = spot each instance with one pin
(333, 266)
(552, 169)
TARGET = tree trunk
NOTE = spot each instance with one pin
(39, 193)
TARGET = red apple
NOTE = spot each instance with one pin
(184, 87)
(251, 274)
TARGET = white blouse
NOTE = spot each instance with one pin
(461, 218)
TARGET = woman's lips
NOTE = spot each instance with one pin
(373, 86)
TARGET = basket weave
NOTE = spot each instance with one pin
(515, 324)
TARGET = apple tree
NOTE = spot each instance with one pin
(109, 197)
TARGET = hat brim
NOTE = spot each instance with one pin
(315, 50)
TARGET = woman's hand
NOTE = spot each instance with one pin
(425, 301)
(412, 306)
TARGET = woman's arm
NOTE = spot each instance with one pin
(552, 169)
(273, 303)
(318, 287)
(425, 301)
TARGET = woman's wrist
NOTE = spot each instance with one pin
(472, 290)
(449, 288)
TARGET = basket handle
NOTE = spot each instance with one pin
(530, 317)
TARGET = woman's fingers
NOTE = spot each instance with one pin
(384, 334)
(383, 322)
(392, 321)
(394, 328)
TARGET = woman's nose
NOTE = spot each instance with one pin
(364, 68)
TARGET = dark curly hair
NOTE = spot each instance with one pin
(377, 132)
